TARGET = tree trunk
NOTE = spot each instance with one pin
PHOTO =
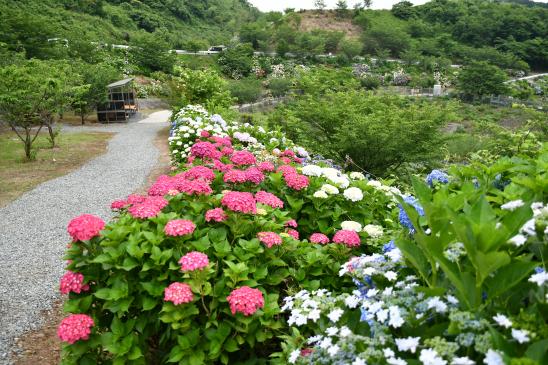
(82, 117)
(28, 144)
(52, 135)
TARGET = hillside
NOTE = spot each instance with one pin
(28, 24)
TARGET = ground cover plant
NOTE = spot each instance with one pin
(254, 249)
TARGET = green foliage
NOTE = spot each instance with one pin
(403, 10)
(481, 78)
(363, 127)
(246, 90)
(151, 52)
(199, 86)
(370, 82)
(279, 86)
(351, 48)
(237, 61)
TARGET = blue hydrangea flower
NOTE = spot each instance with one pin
(404, 218)
(388, 247)
(499, 183)
(437, 175)
(539, 270)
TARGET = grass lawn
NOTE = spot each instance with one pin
(18, 175)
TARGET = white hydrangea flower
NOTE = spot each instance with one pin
(320, 194)
(518, 240)
(351, 226)
(493, 357)
(374, 183)
(431, 357)
(391, 275)
(373, 230)
(314, 315)
(408, 344)
(395, 255)
(396, 320)
(353, 194)
(335, 314)
(512, 205)
(462, 361)
(345, 331)
(329, 189)
(332, 331)
(437, 304)
(359, 361)
(352, 301)
(312, 170)
(502, 320)
(357, 175)
(333, 350)
(396, 361)
(522, 336)
(539, 278)
(294, 356)
(326, 342)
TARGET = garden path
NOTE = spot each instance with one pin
(33, 233)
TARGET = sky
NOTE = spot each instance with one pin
(279, 5)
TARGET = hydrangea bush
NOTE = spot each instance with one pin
(194, 271)
(464, 283)
(253, 250)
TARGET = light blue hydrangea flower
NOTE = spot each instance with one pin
(437, 175)
(404, 218)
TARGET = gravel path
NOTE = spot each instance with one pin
(33, 233)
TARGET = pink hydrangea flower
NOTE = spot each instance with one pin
(221, 141)
(157, 201)
(269, 238)
(227, 151)
(235, 177)
(193, 187)
(298, 160)
(216, 215)
(118, 204)
(85, 227)
(291, 223)
(245, 300)
(296, 181)
(144, 210)
(178, 293)
(199, 172)
(179, 227)
(319, 238)
(288, 153)
(135, 199)
(266, 166)
(205, 150)
(193, 261)
(285, 160)
(349, 238)
(269, 199)
(161, 187)
(287, 170)
(72, 282)
(243, 158)
(75, 327)
(242, 202)
(254, 175)
(219, 166)
(205, 134)
(293, 233)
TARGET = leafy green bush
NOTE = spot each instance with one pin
(237, 61)
(246, 90)
(370, 82)
(279, 86)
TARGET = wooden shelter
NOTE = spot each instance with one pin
(121, 104)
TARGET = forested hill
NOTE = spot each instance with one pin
(28, 24)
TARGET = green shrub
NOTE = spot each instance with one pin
(370, 82)
(246, 90)
(279, 86)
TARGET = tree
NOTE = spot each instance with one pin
(152, 53)
(351, 48)
(93, 90)
(195, 45)
(27, 93)
(341, 8)
(320, 5)
(367, 3)
(403, 10)
(254, 33)
(481, 78)
(237, 61)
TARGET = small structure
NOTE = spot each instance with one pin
(121, 103)
(220, 48)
